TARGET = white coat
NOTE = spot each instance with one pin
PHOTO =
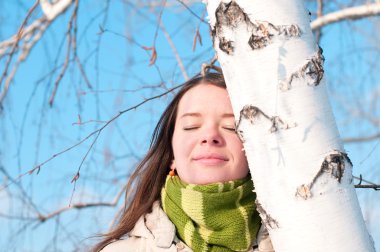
(154, 232)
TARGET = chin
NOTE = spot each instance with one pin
(211, 180)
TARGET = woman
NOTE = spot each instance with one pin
(192, 191)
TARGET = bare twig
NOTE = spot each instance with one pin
(42, 218)
(207, 66)
(197, 35)
(375, 187)
(18, 37)
(98, 131)
(67, 60)
(76, 177)
(352, 13)
(79, 122)
(22, 190)
(370, 184)
(361, 139)
(27, 31)
(75, 50)
(84, 205)
(192, 12)
(318, 32)
(30, 35)
(159, 22)
(14, 46)
(175, 52)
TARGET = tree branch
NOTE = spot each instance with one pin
(175, 52)
(67, 60)
(352, 13)
(98, 131)
(29, 35)
(361, 139)
(370, 184)
(51, 11)
(113, 203)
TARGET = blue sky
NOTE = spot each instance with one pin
(31, 131)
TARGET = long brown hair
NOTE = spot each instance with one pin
(149, 176)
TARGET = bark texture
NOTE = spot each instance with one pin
(275, 78)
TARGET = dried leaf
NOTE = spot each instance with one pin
(38, 167)
(153, 57)
(197, 35)
(200, 38)
(195, 41)
(76, 177)
(147, 48)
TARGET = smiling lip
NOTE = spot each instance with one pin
(211, 159)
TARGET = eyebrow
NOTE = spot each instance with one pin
(194, 114)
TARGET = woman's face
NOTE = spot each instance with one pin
(205, 145)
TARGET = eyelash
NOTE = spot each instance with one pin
(196, 127)
(230, 128)
(190, 128)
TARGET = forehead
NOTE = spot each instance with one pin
(205, 98)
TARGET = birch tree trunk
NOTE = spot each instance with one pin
(302, 175)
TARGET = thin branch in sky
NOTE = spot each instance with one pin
(361, 138)
(84, 205)
(192, 12)
(197, 36)
(175, 52)
(75, 49)
(38, 167)
(352, 13)
(370, 184)
(318, 32)
(159, 22)
(14, 47)
(67, 60)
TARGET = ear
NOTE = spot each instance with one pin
(172, 165)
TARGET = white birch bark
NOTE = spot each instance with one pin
(303, 178)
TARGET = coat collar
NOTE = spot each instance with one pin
(155, 226)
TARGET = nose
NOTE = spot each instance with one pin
(212, 136)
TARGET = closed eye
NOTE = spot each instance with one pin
(190, 128)
(230, 128)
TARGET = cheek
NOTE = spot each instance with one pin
(239, 154)
(181, 147)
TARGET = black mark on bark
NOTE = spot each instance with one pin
(226, 46)
(230, 15)
(252, 113)
(261, 36)
(313, 69)
(268, 221)
(263, 33)
(213, 35)
(333, 164)
(278, 123)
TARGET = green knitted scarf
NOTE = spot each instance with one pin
(213, 217)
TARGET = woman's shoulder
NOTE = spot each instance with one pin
(120, 246)
(153, 230)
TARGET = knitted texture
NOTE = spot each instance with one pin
(214, 217)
